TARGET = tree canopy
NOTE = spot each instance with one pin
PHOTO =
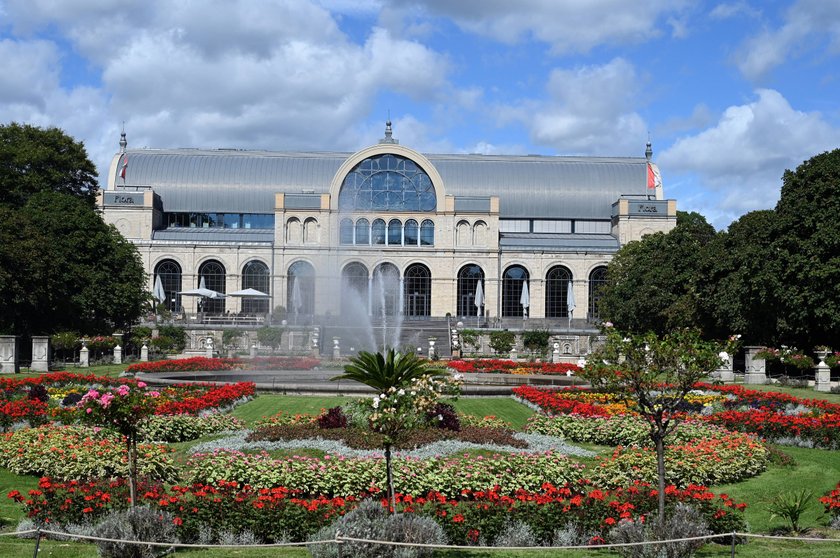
(61, 267)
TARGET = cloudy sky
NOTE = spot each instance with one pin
(730, 93)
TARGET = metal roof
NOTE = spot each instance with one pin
(560, 242)
(246, 181)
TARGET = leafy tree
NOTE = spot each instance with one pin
(536, 340)
(808, 249)
(741, 280)
(63, 268)
(407, 386)
(655, 373)
(502, 341)
(36, 160)
(652, 283)
(270, 336)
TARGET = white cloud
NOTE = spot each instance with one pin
(805, 24)
(742, 157)
(733, 9)
(567, 26)
(588, 110)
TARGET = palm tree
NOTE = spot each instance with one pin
(384, 373)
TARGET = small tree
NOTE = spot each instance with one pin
(270, 336)
(502, 341)
(121, 409)
(407, 386)
(655, 373)
(536, 340)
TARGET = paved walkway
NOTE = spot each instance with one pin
(318, 381)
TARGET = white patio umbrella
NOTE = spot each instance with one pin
(525, 299)
(209, 293)
(159, 293)
(479, 300)
(570, 301)
(252, 293)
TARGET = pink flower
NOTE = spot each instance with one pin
(123, 390)
(92, 394)
(89, 410)
(141, 384)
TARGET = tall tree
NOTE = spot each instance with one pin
(652, 283)
(808, 248)
(36, 160)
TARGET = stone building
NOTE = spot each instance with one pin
(385, 231)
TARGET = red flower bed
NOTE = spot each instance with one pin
(202, 364)
(500, 366)
(552, 401)
(831, 501)
(61, 378)
(214, 397)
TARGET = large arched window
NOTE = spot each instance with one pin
(211, 275)
(363, 231)
(427, 233)
(385, 290)
(300, 295)
(345, 232)
(514, 281)
(387, 183)
(255, 276)
(597, 280)
(418, 291)
(556, 292)
(170, 276)
(377, 232)
(469, 278)
(354, 290)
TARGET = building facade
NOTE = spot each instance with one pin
(384, 231)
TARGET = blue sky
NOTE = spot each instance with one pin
(730, 93)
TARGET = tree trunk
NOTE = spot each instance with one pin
(390, 478)
(660, 469)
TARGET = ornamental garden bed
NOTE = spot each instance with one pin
(221, 485)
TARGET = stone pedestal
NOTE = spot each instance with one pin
(253, 350)
(432, 349)
(755, 371)
(822, 376)
(555, 354)
(40, 353)
(514, 354)
(117, 355)
(208, 346)
(336, 349)
(316, 350)
(144, 353)
(9, 356)
(725, 373)
(84, 356)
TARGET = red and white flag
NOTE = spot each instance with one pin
(124, 167)
(654, 179)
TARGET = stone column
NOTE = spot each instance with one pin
(40, 353)
(84, 356)
(253, 350)
(823, 374)
(514, 355)
(725, 373)
(432, 341)
(209, 347)
(9, 356)
(555, 354)
(336, 349)
(316, 350)
(144, 353)
(117, 355)
(755, 372)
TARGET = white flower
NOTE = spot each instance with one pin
(401, 392)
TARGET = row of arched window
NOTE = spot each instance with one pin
(395, 233)
(384, 291)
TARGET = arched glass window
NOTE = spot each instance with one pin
(363, 231)
(417, 297)
(377, 232)
(212, 275)
(395, 232)
(354, 290)
(387, 183)
(597, 280)
(427, 233)
(556, 292)
(469, 277)
(386, 290)
(411, 233)
(300, 295)
(345, 232)
(514, 281)
(255, 276)
(170, 276)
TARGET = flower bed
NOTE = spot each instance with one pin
(201, 364)
(500, 366)
(338, 476)
(277, 514)
(831, 501)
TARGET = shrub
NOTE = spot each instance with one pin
(502, 341)
(444, 416)
(682, 521)
(333, 418)
(831, 501)
(38, 393)
(177, 334)
(571, 534)
(470, 337)
(182, 428)
(536, 340)
(270, 336)
(790, 506)
(515, 533)
(370, 520)
(139, 524)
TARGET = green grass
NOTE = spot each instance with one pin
(802, 393)
(266, 405)
(504, 408)
(111, 370)
(10, 512)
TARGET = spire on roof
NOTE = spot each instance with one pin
(123, 141)
(648, 149)
(388, 132)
